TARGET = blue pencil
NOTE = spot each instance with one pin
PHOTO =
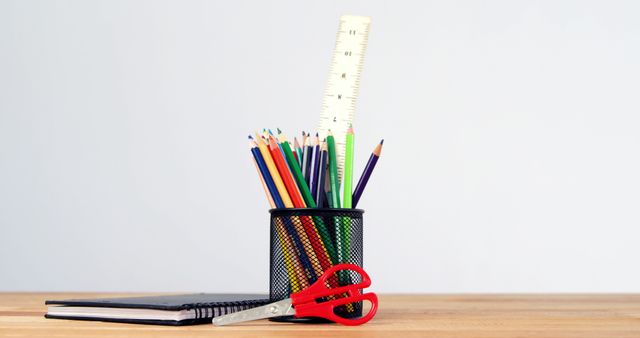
(315, 170)
(306, 161)
(268, 180)
(322, 174)
(277, 200)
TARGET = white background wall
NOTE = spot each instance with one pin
(510, 163)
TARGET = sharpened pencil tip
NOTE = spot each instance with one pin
(250, 137)
(279, 131)
(382, 141)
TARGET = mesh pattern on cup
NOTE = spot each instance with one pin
(306, 242)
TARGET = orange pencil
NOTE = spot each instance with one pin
(301, 224)
(307, 222)
(282, 190)
(272, 204)
(285, 173)
(289, 252)
(294, 268)
(298, 279)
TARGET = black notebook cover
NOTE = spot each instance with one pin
(205, 305)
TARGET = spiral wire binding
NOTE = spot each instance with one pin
(205, 311)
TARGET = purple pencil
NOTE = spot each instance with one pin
(322, 175)
(307, 158)
(315, 167)
(368, 169)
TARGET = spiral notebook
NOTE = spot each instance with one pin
(161, 310)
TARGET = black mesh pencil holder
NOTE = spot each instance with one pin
(305, 243)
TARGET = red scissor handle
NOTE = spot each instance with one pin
(306, 305)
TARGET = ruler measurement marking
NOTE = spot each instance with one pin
(343, 83)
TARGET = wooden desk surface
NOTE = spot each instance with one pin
(21, 315)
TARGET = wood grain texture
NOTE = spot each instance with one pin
(21, 315)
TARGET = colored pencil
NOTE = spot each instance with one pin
(265, 175)
(348, 170)
(325, 239)
(285, 173)
(315, 173)
(316, 231)
(327, 197)
(335, 203)
(292, 260)
(310, 260)
(327, 184)
(308, 165)
(297, 151)
(366, 174)
(333, 171)
(303, 146)
(305, 136)
(296, 172)
(272, 204)
(305, 160)
(295, 155)
(300, 183)
(289, 252)
(293, 279)
(303, 232)
(346, 187)
(266, 155)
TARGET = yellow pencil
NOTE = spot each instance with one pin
(272, 204)
(293, 279)
(274, 172)
(286, 200)
(294, 268)
(289, 253)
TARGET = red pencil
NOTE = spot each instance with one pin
(318, 254)
(292, 188)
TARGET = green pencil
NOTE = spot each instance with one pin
(308, 199)
(327, 185)
(347, 191)
(348, 170)
(335, 202)
(297, 173)
(333, 171)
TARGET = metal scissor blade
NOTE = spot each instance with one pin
(277, 309)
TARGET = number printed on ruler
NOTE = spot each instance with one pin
(341, 93)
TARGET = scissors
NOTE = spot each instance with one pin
(305, 304)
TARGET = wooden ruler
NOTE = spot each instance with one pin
(341, 93)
